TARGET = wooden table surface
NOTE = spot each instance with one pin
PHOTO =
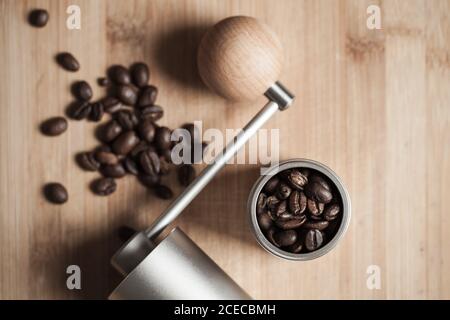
(374, 105)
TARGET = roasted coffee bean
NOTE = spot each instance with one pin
(54, 126)
(297, 179)
(131, 166)
(87, 161)
(111, 104)
(38, 18)
(265, 222)
(271, 185)
(113, 171)
(119, 74)
(104, 186)
(67, 61)
(285, 238)
(103, 82)
(147, 96)
(296, 247)
(166, 154)
(283, 191)
(272, 201)
(164, 166)
(331, 212)
(149, 180)
(127, 94)
(125, 142)
(186, 174)
(153, 113)
(319, 225)
(102, 148)
(82, 90)
(297, 202)
(318, 189)
(126, 119)
(261, 203)
(105, 157)
(292, 223)
(140, 74)
(313, 239)
(97, 112)
(314, 207)
(163, 192)
(125, 233)
(162, 138)
(110, 131)
(149, 162)
(81, 110)
(279, 209)
(146, 130)
(141, 146)
(271, 236)
(56, 193)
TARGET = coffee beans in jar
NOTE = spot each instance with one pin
(299, 210)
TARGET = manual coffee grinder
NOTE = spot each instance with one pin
(239, 58)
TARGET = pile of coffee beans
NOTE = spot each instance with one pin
(132, 143)
(299, 210)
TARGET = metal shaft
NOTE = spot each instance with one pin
(183, 200)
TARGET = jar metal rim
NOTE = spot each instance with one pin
(289, 164)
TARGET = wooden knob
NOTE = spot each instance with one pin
(239, 58)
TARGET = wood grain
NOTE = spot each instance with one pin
(374, 105)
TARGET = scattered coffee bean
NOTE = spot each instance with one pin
(97, 111)
(131, 166)
(103, 82)
(163, 192)
(82, 90)
(127, 94)
(111, 104)
(140, 74)
(162, 138)
(104, 186)
(153, 113)
(296, 209)
(149, 180)
(146, 130)
(87, 161)
(54, 126)
(186, 174)
(141, 146)
(119, 74)
(285, 238)
(38, 18)
(271, 185)
(113, 171)
(125, 142)
(331, 212)
(80, 110)
(147, 96)
(106, 157)
(110, 131)
(149, 162)
(68, 61)
(164, 166)
(313, 239)
(126, 119)
(56, 193)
